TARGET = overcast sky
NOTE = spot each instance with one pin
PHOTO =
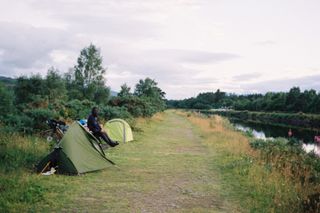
(187, 46)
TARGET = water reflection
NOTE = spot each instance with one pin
(312, 148)
(271, 131)
(255, 133)
(263, 131)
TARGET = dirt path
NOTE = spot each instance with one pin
(167, 169)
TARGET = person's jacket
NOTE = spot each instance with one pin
(93, 124)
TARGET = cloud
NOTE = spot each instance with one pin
(193, 56)
(265, 43)
(187, 46)
(307, 82)
(128, 33)
(246, 77)
(27, 47)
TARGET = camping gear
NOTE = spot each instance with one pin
(78, 152)
(118, 130)
(50, 172)
(55, 124)
(58, 129)
(83, 122)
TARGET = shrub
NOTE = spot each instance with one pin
(39, 117)
(18, 123)
(108, 112)
(76, 109)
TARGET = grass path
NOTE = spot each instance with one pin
(180, 162)
(166, 169)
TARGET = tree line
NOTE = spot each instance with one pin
(28, 101)
(307, 101)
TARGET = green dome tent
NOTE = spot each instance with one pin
(78, 152)
(118, 130)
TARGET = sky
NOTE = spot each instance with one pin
(187, 46)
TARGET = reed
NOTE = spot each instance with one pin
(277, 178)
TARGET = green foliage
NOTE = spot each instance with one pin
(76, 109)
(148, 88)
(88, 75)
(284, 154)
(30, 89)
(18, 152)
(138, 106)
(124, 91)
(39, 117)
(292, 101)
(151, 96)
(32, 120)
(55, 86)
(17, 123)
(6, 101)
(284, 119)
(15, 191)
(108, 112)
(35, 99)
(288, 157)
(18, 155)
(102, 94)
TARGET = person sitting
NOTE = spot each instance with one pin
(96, 129)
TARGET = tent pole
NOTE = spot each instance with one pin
(45, 167)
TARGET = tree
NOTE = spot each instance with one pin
(55, 86)
(6, 100)
(88, 73)
(308, 97)
(125, 91)
(29, 90)
(151, 94)
(102, 94)
(293, 101)
(148, 88)
(219, 96)
(207, 98)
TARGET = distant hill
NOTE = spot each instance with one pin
(113, 93)
(7, 81)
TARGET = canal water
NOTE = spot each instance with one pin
(265, 131)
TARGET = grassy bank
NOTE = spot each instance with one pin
(21, 189)
(166, 169)
(179, 162)
(309, 121)
(272, 179)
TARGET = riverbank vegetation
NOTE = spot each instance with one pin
(302, 120)
(307, 101)
(296, 166)
(263, 176)
(28, 101)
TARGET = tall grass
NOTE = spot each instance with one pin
(20, 152)
(18, 155)
(299, 167)
(23, 190)
(250, 177)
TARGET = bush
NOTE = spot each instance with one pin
(39, 118)
(76, 109)
(6, 101)
(18, 123)
(288, 157)
(138, 106)
(108, 112)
